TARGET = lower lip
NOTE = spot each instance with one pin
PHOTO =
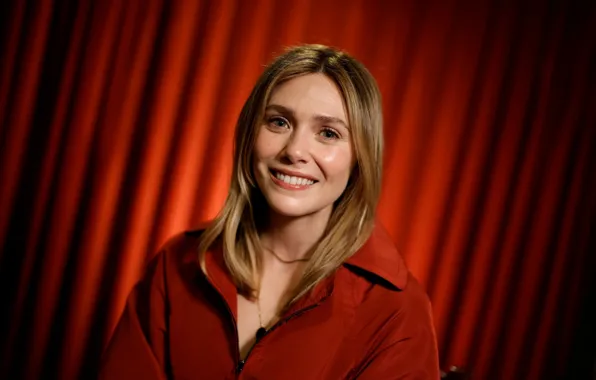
(288, 186)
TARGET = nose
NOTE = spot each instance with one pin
(297, 149)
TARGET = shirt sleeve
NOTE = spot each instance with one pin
(408, 351)
(137, 347)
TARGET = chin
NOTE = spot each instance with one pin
(291, 209)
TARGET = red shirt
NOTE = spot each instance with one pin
(369, 320)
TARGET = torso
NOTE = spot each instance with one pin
(326, 334)
(275, 283)
(248, 324)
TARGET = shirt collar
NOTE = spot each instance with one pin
(379, 257)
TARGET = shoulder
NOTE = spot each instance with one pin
(391, 314)
(397, 332)
(182, 246)
(410, 301)
(183, 240)
(175, 261)
(394, 327)
(412, 297)
(409, 315)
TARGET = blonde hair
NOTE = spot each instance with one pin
(235, 229)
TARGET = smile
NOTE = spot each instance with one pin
(291, 182)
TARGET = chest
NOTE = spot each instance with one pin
(250, 318)
(317, 342)
(256, 315)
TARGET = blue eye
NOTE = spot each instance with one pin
(278, 122)
(329, 134)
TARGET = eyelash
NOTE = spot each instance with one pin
(273, 119)
(336, 136)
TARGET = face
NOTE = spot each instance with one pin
(303, 154)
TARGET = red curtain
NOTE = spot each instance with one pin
(116, 125)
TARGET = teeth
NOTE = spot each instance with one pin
(290, 180)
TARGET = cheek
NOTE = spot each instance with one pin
(337, 163)
(260, 149)
(266, 145)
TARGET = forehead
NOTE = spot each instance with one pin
(310, 93)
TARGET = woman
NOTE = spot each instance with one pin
(293, 279)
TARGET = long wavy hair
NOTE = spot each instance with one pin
(236, 228)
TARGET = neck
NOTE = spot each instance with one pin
(291, 238)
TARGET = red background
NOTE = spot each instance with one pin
(116, 132)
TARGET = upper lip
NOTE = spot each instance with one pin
(294, 174)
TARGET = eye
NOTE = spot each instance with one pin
(329, 134)
(277, 122)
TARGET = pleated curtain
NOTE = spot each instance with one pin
(116, 128)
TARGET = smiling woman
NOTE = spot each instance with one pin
(294, 279)
(303, 155)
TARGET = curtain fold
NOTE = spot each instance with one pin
(116, 132)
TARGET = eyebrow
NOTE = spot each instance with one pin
(320, 118)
